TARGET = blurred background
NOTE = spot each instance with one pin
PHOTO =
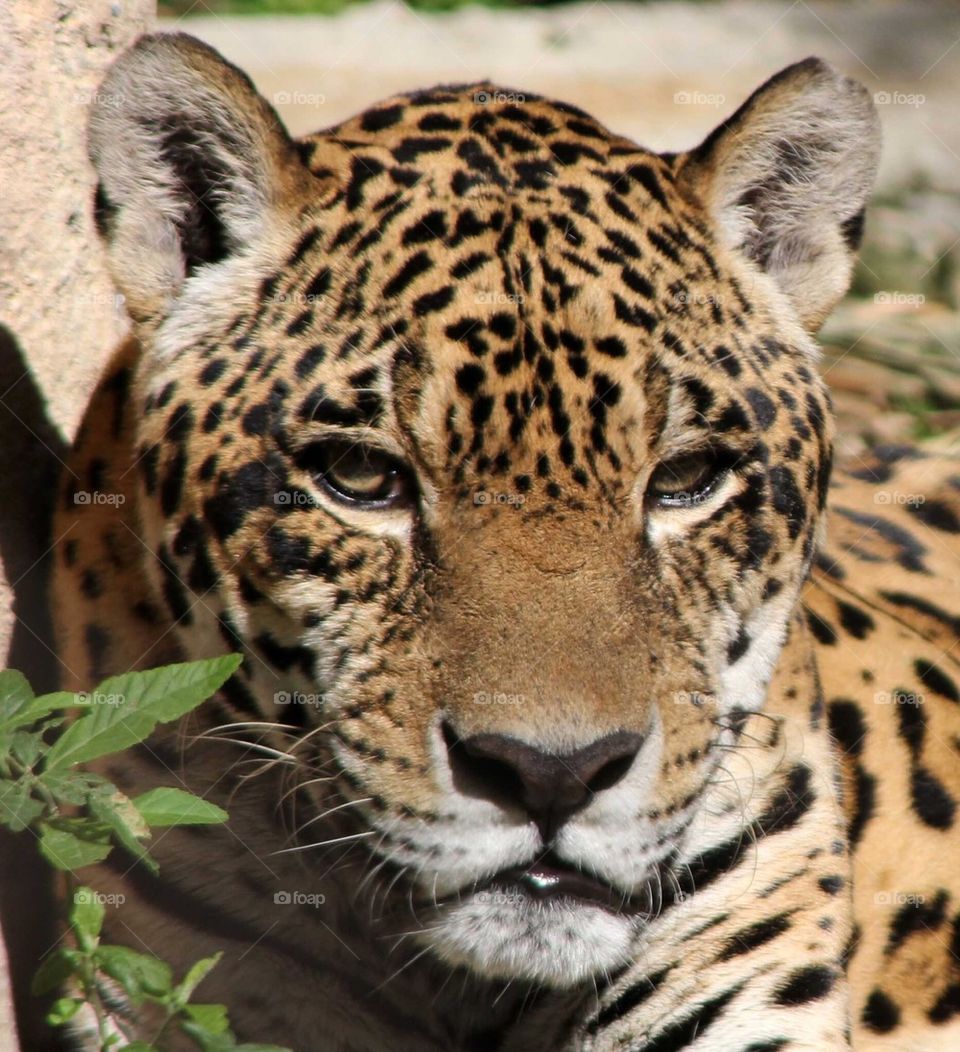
(665, 73)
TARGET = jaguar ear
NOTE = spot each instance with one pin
(786, 179)
(193, 166)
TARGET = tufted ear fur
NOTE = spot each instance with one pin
(786, 178)
(193, 166)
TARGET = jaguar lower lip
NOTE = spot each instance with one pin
(553, 879)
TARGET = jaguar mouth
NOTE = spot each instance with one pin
(550, 878)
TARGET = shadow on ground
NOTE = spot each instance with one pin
(33, 451)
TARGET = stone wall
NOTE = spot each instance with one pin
(58, 320)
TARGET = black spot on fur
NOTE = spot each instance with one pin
(855, 620)
(847, 725)
(822, 631)
(880, 1013)
(931, 801)
(250, 487)
(913, 917)
(937, 514)
(812, 983)
(935, 679)
(754, 936)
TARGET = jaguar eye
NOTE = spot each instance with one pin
(687, 480)
(354, 473)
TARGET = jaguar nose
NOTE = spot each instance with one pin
(548, 786)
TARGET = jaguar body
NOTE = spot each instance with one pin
(579, 709)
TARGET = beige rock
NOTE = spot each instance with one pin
(59, 314)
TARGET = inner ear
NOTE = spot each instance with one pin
(786, 178)
(193, 165)
(199, 176)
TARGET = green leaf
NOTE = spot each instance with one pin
(131, 705)
(55, 971)
(175, 807)
(118, 813)
(213, 1018)
(72, 787)
(64, 1010)
(139, 1046)
(26, 747)
(194, 977)
(67, 850)
(18, 809)
(15, 695)
(137, 973)
(19, 707)
(86, 917)
(207, 1040)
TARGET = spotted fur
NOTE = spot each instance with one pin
(705, 696)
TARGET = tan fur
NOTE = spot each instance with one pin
(532, 316)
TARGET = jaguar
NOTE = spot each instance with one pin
(582, 707)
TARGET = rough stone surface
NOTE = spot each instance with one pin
(59, 319)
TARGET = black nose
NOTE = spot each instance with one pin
(548, 786)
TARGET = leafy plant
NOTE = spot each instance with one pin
(79, 816)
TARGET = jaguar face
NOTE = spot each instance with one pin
(510, 468)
